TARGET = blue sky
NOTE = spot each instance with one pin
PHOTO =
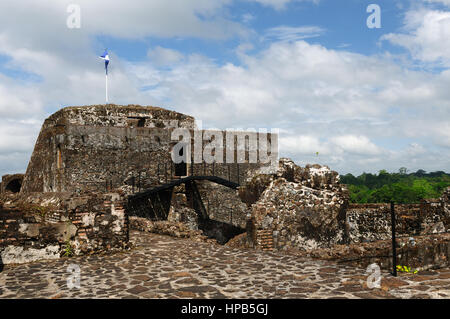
(343, 23)
(365, 99)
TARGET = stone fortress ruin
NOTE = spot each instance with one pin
(98, 171)
(86, 163)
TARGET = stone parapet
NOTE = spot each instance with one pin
(53, 225)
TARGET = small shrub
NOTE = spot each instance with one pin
(406, 269)
(68, 251)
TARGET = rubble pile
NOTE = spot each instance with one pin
(180, 210)
(174, 229)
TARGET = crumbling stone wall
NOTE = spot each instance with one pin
(11, 183)
(307, 208)
(371, 222)
(181, 211)
(303, 207)
(424, 252)
(48, 226)
(223, 204)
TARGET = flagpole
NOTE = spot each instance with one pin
(106, 77)
(105, 57)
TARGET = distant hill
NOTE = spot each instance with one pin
(399, 187)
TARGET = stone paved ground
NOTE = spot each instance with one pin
(165, 267)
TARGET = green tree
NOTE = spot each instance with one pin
(399, 187)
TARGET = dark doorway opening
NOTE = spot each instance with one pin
(141, 122)
(181, 168)
(14, 186)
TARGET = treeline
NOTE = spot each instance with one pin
(399, 187)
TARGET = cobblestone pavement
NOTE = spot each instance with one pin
(165, 267)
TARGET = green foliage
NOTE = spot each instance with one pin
(68, 251)
(399, 187)
(406, 269)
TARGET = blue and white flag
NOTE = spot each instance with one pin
(105, 57)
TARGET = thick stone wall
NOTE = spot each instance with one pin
(371, 222)
(48, 226)
(104, 147)
(96, 147)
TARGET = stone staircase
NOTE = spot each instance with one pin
(264, 239)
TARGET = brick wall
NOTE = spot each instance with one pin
(84, 224)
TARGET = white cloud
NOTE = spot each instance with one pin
(445, 2)
(248, 17)
(163, 56)
(302, 144)
(286, 33)
(415, 149)
(135, 19)
(17, 100)
(426, 36)
(280, 4)
(356, 144)
(18, 136)
(332, 102)
(297, 80)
